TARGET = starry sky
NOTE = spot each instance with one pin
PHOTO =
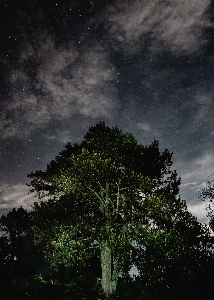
(144, 66)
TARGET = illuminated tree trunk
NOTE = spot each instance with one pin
(115, 275)
(105, 248)
(109, 275)
(106, 268)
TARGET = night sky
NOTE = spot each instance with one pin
(144, 66)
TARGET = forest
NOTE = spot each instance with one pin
(103, 206)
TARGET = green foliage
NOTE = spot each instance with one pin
(111, 193)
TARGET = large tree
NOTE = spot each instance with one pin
(108, 195)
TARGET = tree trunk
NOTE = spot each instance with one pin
(106, 268)
(67, 275)
(115, 276)
(109, 277)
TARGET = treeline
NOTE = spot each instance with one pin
(112, 203)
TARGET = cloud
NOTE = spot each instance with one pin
(15, 196)
(65, 84)
(146, 129)
(88, 89)
(194, 175)
(61, 135)
(144, 126)
(205, 103)
(198, 169)
(189, 184)
(198, 210)
(199, 106)
(189, 192)
(177, 26)
(23, 114)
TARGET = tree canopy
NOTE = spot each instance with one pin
(115, 198)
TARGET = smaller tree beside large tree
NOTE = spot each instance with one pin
(207, 194)
(19, 257)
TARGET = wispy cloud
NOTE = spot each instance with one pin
(204, 102)
(189, 192)
(189, 184)
(198, 169)
(199, 104)
(194, 175)
(177, 26)
(89, 88)
(63, 136)
(147, 129)
(198, 210)
(65, 84)
(15, 196)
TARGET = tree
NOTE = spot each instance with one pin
(113, 194)
(170, 258)
(207, 194)
(19, 257)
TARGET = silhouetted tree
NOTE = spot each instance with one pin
(207, 194)
(19, 255)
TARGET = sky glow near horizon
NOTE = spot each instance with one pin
(144, 66)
